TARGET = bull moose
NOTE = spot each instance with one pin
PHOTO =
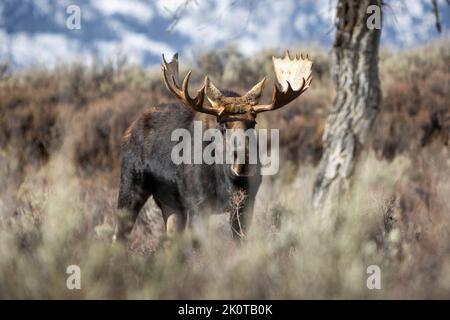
(183, 190)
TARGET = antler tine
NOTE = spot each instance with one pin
(287, 54)
(170, 77)
(184, 87)
(170, 72)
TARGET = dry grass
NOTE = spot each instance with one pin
(59, 138)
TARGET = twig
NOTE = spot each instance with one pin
(178, 14)
(436, 14)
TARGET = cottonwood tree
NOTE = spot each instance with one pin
(358, 95)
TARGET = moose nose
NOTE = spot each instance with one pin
(241, 166)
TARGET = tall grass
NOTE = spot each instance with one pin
(289, 253)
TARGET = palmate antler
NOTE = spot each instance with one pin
(170, 76)
(294, 77)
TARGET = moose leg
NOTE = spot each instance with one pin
(175, 224)
(174, 220)
(132, 198)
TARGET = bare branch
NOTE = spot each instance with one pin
(178, 13)
(436, 14)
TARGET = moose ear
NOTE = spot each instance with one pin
(255, 93)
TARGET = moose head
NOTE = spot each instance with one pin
(294, 76)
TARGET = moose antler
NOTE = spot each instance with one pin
(294, 77)
(170, 76)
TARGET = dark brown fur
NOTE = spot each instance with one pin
(181, 191)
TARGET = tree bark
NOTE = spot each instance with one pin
(358, 95)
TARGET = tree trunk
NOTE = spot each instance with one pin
(358, 94)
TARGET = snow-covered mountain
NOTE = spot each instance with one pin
(35, 31)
